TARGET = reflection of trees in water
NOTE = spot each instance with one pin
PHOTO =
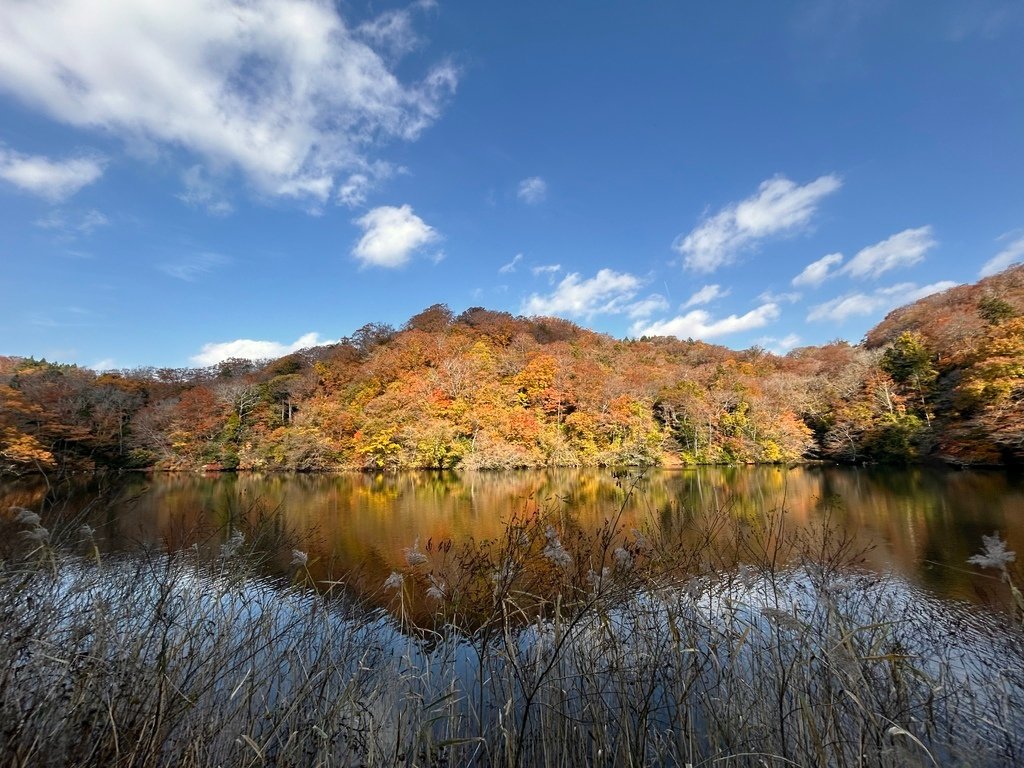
(914, 515)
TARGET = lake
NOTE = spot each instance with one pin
(921, 523)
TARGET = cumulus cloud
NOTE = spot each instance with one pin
(1011, 254)
(780, 206)
(705, 295)
(817, 272)
(904, 249)
(881, 300)
(777, 345)
(647, 307)
(251, 349)
(282, 90)
(54, 180)
(699, 324)
(391, 235)
(505, 269)
(533, 190)
(608, 292)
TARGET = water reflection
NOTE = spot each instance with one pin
(923, 523)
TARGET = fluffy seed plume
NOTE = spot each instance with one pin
(994, 553)
(413, 556)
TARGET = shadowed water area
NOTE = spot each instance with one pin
(920, 523)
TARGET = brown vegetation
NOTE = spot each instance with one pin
(940, 379)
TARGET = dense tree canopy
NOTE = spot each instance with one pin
(942, 378)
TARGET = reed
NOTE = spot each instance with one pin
(550, 646)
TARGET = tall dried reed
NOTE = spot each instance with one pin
(550, 646)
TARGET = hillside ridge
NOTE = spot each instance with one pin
(941, 379)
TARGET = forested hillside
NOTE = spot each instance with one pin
(942, 379)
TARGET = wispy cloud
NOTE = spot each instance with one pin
(54, 180)
(194, 266)
(65, 317)
(201, 192)
(392, 33)
(252, 349)
(533, 190)
(815, 273)
(546, 269)
(70, 225)
(780, 206)
(282, 90)
(391, 235)
(706, 295)
(904, 249)
(356, 188)
(608, 292)
(1011, 254)
(787, 297)
(881, 300)
(699, 324)
(505, 269)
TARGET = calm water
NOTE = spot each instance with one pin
(921, 523)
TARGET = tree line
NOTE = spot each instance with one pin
(939, 380)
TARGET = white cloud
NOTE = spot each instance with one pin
(391, 235)
(533, 190)
(195, 266)
(881, 300)
(842, 307)
(904, 249)
(54, 180)
(353, 190)
(546, 269)
(647, 307)
(907, 294)
(608, 292)
(106, 364)
(356, 188)
(817, 272)
(392, 32)
(780, 206)
(770, 297)
(282, 90)
(505, 269)
(705, 295)
(699, 324)
(251, 349)
(779, 346)
(1011, 254)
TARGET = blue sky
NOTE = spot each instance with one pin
(183, 182)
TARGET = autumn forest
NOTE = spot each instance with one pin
(939, 380)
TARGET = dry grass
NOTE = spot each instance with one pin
(549, 647)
